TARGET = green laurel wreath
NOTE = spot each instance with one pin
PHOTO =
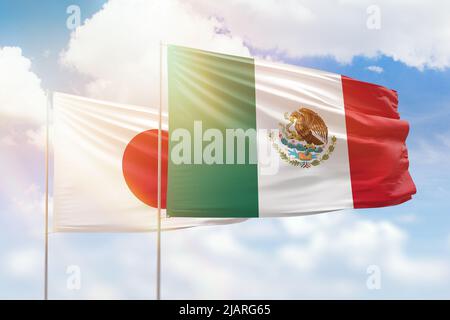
(327, 154)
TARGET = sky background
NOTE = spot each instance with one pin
(113, 55)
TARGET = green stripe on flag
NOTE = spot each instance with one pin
(219, 91)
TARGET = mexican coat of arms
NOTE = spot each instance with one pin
(303, 139)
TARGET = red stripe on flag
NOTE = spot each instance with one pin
(376, 145)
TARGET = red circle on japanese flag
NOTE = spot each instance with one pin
(140, 167)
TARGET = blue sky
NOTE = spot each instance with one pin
(415, 234)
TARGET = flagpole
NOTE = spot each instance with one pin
(158, 234)
(49, 97)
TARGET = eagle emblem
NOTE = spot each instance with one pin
(303, 139)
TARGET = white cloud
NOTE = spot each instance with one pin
(376, 69)
(431, 271)
(22, 114)
(21, 95)
(8, 140)
(119, 46)
(103, 292)
(47, 53)
(30, 201)
(407, 218)
(429, 156)
(22, 103)
(339, 28)
(323, 256)
(22, 263)
(359, 243)
(37, 137)
(238, 261)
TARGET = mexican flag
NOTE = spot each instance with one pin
(252, 138)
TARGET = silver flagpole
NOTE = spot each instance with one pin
(158, 234)
(49, 97)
